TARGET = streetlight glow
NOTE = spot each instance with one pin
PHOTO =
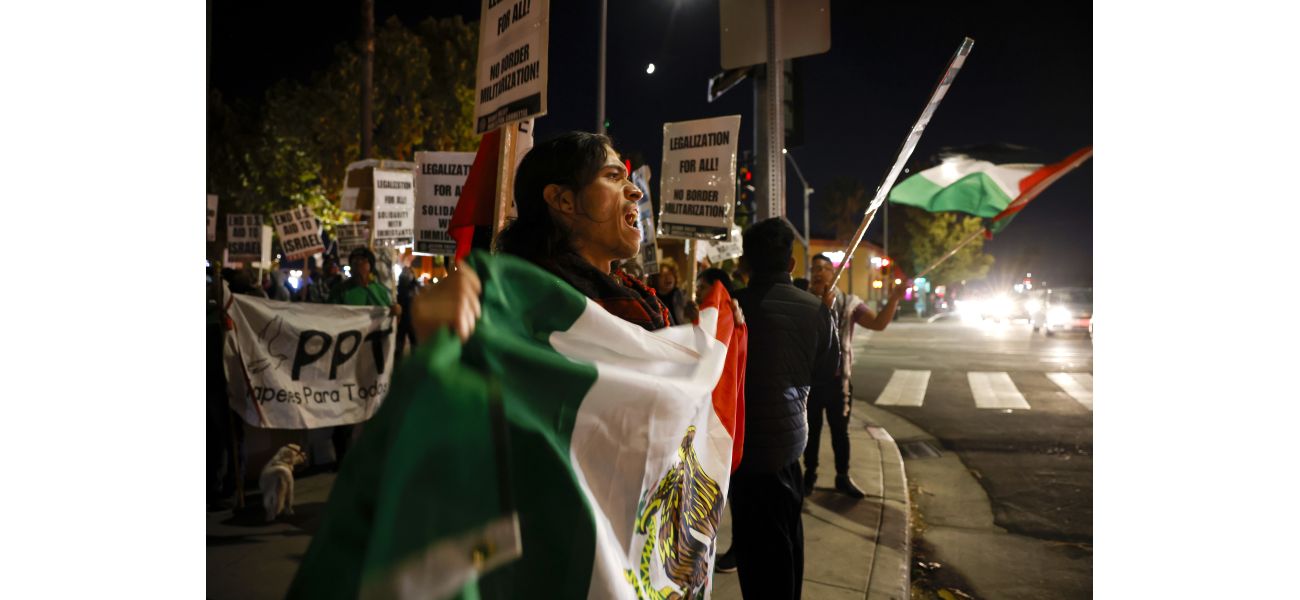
(650, 69)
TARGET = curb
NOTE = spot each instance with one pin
(891, 564)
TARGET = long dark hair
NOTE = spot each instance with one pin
(571, 160)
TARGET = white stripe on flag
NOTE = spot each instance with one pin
(905, 388)
(1077, 385)
(995, 390)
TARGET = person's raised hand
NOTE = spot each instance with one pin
(898, 291)
(452, 302)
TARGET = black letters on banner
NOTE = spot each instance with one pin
(303, 358)
(377, 339)
(340, 356)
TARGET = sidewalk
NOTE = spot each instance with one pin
(852, 548)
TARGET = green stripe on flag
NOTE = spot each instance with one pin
(975, 194)
(425, 470)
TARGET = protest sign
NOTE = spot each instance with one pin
(697, 187)
(302, 366)
(512, 62)
(243, 238)
(437, 188)
(299, 232)
(212, 217)
(394, 214)
(351, 236)
(720, 250)
(649, 258)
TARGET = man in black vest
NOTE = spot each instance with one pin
(791, 334)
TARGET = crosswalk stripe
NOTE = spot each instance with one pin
(1077, 385)
(995, 390)
(905, 388)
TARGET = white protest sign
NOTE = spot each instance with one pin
(512, 62)
(645, 220)
(299, 232)
(243, 238)
(302, 366)
(721, 250)
(349, 237)
(394, 214)
(212, 217)
(697, 187)
(437, 189)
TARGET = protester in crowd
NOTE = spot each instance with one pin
(665, 285)
(361, 290)
(318, 289)
(832, 390)
(241, 282)
(791, 335)
(279, 288)
(407, 286)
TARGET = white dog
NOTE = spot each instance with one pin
(276, 481)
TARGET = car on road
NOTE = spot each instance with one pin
(1065, 309)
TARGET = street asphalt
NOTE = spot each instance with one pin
(997, 446)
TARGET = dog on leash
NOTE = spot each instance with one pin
(276, 480)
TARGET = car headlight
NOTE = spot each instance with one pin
(1057, 316)
(1000, 307)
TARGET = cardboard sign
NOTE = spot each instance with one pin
(437, 189)
(646, 221)
(697, 188)
(299, 232)
(512, 62)
(394, 214)
(720, 250)
(212, 217)
(351, 236)
(243, 238)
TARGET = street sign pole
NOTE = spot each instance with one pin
(774, 119)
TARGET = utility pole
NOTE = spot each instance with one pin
(367, 75)
(774, 119)
(600, 70)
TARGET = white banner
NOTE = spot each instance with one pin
(299, 232)
(351, 236)
(437, 189)
(394, 214)
(697, 186)
(243, 238)
(302, 366)
(212, 217)
(512, 62)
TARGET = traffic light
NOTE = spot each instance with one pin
(745, 201)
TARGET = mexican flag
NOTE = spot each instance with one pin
(560, 452)
(967, 184)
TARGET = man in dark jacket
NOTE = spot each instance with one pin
(791, 334)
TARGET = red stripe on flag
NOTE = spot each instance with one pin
(1036, 182)
(477, 198)
(729, 393)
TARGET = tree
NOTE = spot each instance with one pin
(920, 238)
(294, 147)
(845, 203)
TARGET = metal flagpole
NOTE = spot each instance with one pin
(905, 152)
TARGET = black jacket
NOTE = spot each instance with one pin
(791, 334)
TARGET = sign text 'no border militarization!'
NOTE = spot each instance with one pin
(697, 190)
(512, 62)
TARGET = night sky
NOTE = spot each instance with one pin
(1028, 81)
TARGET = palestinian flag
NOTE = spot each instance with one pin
(560, 452)
(972, 185)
